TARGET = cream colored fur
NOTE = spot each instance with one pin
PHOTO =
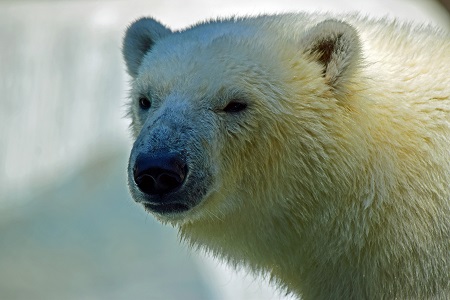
(336, 182)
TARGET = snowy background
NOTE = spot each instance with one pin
(68, 228)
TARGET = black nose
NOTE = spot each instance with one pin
(159, 174)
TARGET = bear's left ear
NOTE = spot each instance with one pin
(139, 39)
(335, 45)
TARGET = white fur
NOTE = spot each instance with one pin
(336, 179)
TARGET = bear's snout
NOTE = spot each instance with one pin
(159, 174)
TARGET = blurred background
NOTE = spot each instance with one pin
(68, 228)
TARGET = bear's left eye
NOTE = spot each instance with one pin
(144, 103)
(235, 106)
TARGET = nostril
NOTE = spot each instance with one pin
(146, 183)
(159, 174)
(169, 181)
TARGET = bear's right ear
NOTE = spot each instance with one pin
(139, 39)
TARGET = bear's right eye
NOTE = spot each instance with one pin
(144, 103)
(235, 106)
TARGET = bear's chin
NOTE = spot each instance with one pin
(175, 214)
(166, 208)
(179, 213)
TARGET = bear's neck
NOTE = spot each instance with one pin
(282, 246)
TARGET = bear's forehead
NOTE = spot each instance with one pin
(206, 49)
(202, 39)
(210, 56)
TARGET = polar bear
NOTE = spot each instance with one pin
(313, 148)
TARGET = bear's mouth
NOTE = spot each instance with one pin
(166, 208)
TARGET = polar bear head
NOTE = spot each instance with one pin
(235, 113)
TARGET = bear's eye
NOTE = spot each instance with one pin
(235, 106)
(144, 103)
